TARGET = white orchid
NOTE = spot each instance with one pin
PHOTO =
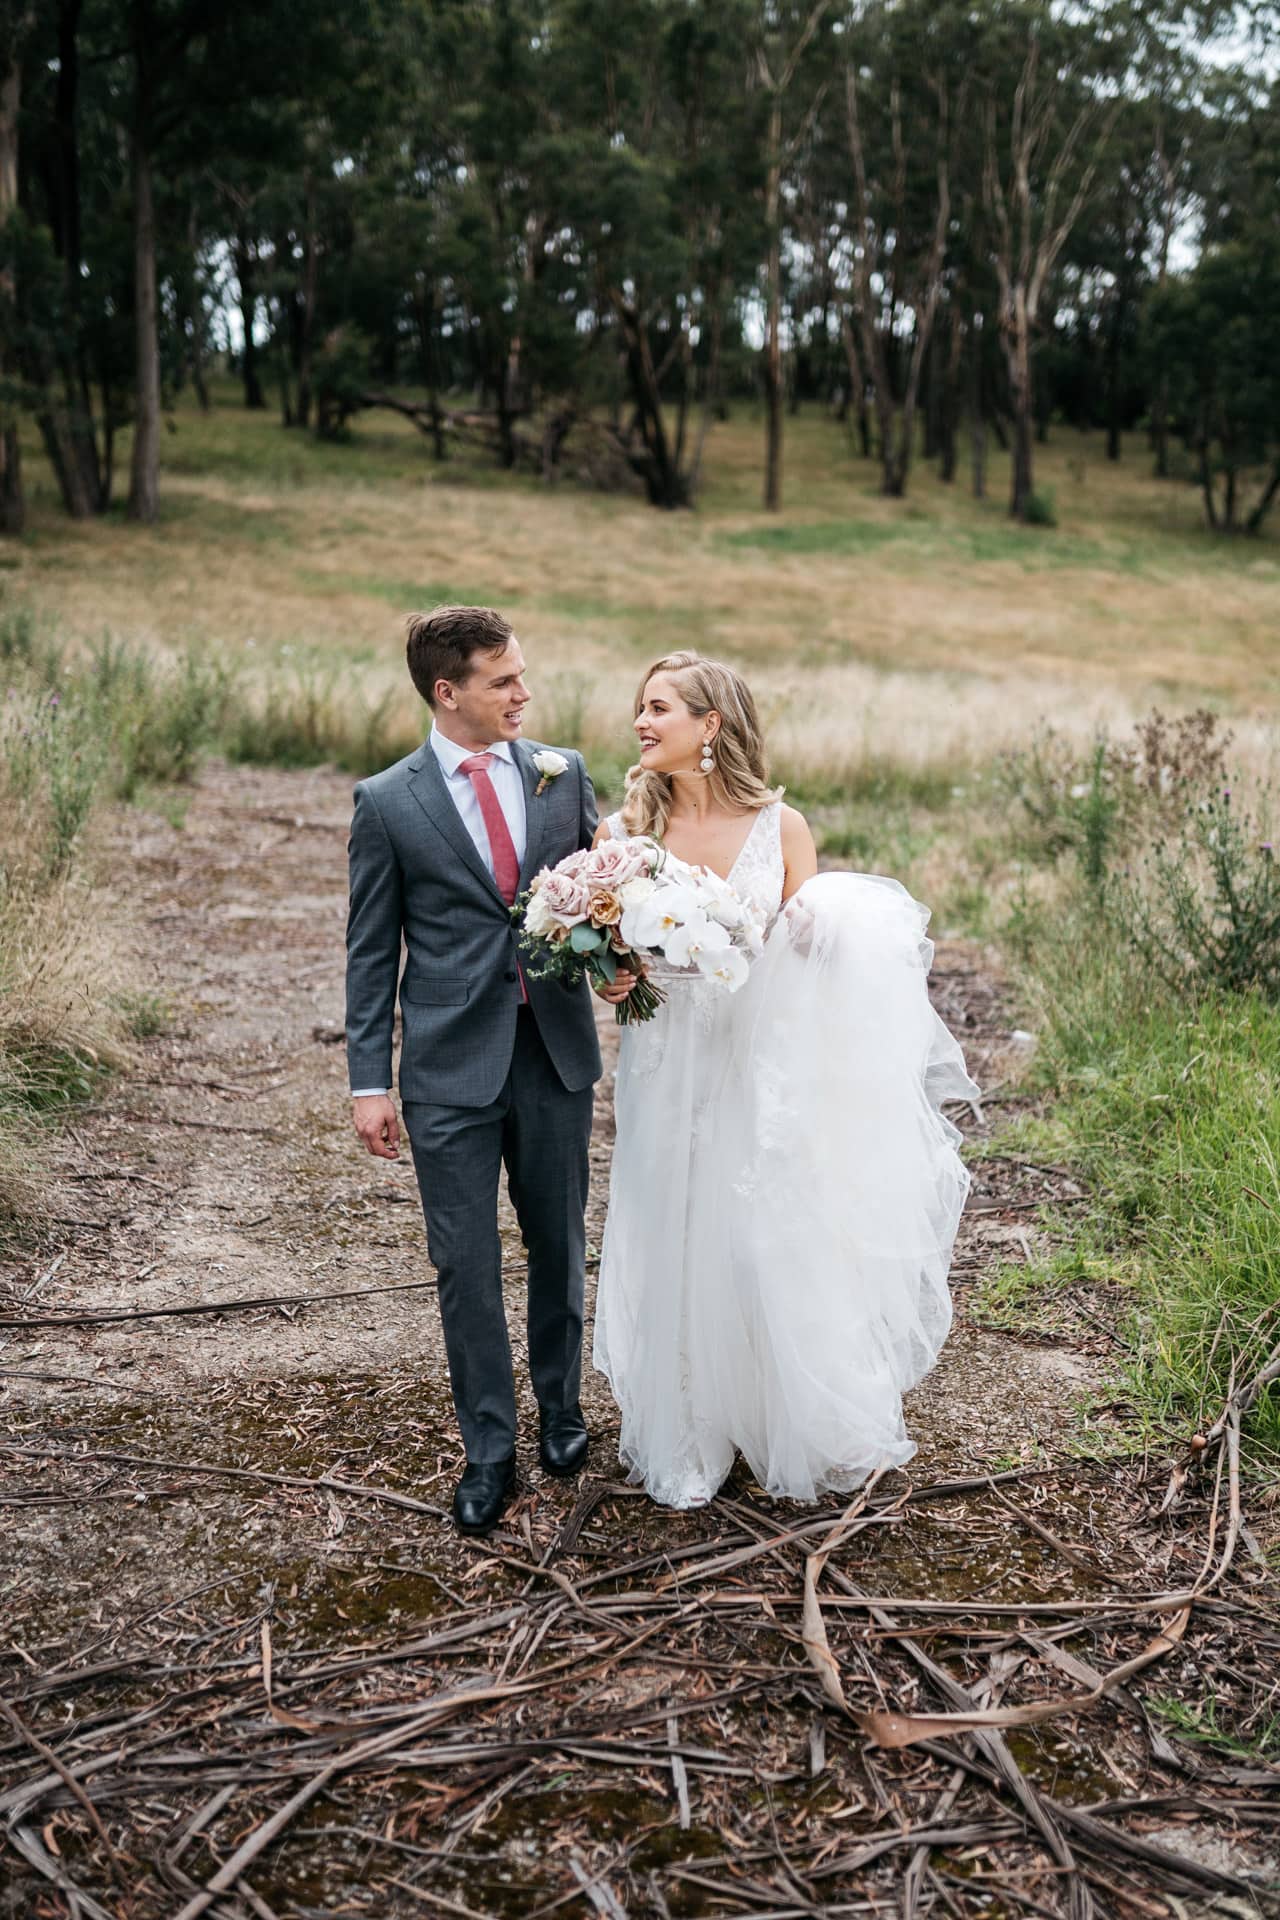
(721, 902)
(651, 920)
(697, 938)
(728, 969)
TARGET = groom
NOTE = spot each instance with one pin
(495, 1068)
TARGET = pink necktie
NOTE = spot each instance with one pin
(506, 867)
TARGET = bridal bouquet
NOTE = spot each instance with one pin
(627, 901)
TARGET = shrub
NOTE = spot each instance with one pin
(50, 769)
(1204, 909)
(159, 718)
(1040, 510)
(1123, 793)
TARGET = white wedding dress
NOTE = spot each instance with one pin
(784, 1197)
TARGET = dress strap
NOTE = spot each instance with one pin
(616, 829)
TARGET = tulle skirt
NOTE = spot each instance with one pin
(783, 1205)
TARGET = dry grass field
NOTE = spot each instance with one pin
(918, 633)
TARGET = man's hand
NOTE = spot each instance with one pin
(376, 1123)
(617, 993)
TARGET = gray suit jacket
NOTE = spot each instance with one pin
(415, 872)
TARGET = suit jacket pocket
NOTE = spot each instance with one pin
(435, 993)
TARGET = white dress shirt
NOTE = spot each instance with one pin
(507, 784)
(509, 787)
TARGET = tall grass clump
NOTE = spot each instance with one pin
(1156, 972)
(312, 708)
(75, 730)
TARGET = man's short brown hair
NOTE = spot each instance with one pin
(440, 645)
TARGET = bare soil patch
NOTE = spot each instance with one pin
(227, 1577)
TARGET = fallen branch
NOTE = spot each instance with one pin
(323, 1482)
(111, 1316)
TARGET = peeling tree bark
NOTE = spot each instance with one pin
(1028, 240)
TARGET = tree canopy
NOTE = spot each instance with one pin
(580, 230)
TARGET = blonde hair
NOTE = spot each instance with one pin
(740, 778)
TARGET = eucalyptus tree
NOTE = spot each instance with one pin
(1212, 332)
(657, 163)
(72, 293)
(17, 24)
(783, 32)
(900, 99)
(1048, 118)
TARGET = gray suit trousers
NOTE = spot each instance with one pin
(539, 1131)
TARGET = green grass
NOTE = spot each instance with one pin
(1170, 1110)
(1029, 548)
(1201, 1722)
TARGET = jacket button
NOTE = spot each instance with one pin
(510, 974)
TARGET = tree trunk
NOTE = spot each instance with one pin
(246, 267)
(773, 320)
(857, 384)
(711, 391)
(11, 505)
(1206, 479)
(1018, 359)
(1114, 397)
(68, 425)
(1021, 486)
(144, 477)
(1254, 523)
(949, 408)
(424, 311)
(194, 317)
(1160, 427)
(664, 484)
(931, 410)
(1018, 354)
(977, 408)
(306, 319)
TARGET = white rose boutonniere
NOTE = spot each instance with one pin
(550, 766)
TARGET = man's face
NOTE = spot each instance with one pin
(489, 704)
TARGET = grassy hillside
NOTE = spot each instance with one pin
(924, 630)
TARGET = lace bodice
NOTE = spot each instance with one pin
(758, 874)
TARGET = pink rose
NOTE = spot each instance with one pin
(565, 896)
(614, 862)
(574, 863)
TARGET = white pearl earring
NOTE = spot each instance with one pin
(708, 761)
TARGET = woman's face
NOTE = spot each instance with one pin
(671, 738)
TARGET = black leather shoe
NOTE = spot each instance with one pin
(562, 1440)
(482, 1494)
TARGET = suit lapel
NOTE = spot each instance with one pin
(534, 813)
(431, 791)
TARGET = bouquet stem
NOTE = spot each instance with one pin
(640, 1004)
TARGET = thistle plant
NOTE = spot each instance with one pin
(1204, 909)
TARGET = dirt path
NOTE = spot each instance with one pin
(225, 1168)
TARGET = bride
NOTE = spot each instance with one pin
(785, 1190)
